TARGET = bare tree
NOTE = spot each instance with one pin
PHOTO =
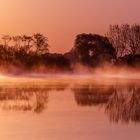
(134, 39)
(17, 41)
(27, 42)
(125, 39)
(118, 36)
(6, 39)
(40, 43)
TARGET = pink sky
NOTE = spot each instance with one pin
(62, 20)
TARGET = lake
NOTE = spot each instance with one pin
(72, 108)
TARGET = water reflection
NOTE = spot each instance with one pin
(27, 98)
(23, 99)
(122, 103)
(87, 95)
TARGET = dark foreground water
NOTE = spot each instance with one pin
(69, 110)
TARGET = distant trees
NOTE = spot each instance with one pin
(24, 52)
(93, 49)
(125, 39)
(121, 45)
(37, 43)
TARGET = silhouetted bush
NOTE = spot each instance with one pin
(94, 49)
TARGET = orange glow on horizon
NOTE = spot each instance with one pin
(62, 20)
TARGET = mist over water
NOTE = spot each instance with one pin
(105, 74)
(81, 104)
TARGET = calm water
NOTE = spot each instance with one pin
(62, 109)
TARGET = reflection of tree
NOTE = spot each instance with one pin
(87, 95)
(29, 98)
(124, 107)
(93, 49)
(24, 99)
(122, 103)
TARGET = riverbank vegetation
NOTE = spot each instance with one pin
(119, 47)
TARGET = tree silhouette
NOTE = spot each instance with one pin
(27, 42)
(125, 39)
(17, 41)
(40, 43)
(94, 49)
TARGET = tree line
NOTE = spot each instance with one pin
(119, 46)
(29, 53)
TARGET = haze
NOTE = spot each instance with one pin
(62, 20)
